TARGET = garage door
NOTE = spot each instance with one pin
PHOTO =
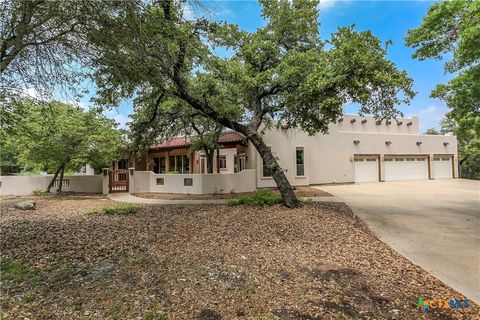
(442, 167)
(366, 168)
(406, 168)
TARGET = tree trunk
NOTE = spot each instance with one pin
(250, 131)
(59, 188)
(286, 190)
(209, 154)
(54, 178)
(463, 159)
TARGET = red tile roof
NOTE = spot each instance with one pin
(184, 142)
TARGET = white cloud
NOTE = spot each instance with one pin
(32, 93)
(326, 4)
(187, 12)
(75, 103)
(38, 95)
(122, 120)
(431, 116)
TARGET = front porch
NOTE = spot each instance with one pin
(173, 157)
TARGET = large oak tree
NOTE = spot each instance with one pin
(282, 74)
(451, 30)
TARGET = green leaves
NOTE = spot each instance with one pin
(449, 27)
(279, 73)
(49, 135)
(452, 29)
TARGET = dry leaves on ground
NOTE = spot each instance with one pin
(205, 262)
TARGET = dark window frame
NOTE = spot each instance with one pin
(301, 172)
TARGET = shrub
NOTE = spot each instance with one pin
(120, 209)
(262, 197)
(38, 192)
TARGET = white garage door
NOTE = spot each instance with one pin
(366, 169)
(442, 167)
(406, 168)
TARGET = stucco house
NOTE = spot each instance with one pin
(356, 149)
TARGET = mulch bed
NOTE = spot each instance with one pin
(299, 191)
(206, 262)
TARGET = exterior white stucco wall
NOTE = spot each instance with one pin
(243, 181)
(329, 157)
(25, 185)
(146, 181)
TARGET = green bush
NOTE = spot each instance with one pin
(38, 192)
(120, 209)
(262, 197)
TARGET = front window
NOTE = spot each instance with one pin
(179, 164)
(185, 164)
(222, 162)
(242, 163)
(156, 165)
(123, 164)
(162, 165)
(300, 161)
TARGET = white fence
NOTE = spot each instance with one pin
(141, 181)
(24, 185)
(147, 181)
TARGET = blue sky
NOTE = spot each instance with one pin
(388, 20)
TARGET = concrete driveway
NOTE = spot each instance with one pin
(435, 224)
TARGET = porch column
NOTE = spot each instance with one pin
(190, 163)
(131, 180)
(167, 162)
(105, 180)
(218, 160)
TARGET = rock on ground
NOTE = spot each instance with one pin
(25, 205)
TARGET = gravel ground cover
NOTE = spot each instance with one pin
(300, 191)
(63, 261)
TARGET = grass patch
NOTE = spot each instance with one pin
(262, 197)
(38, 192)
(120, 209)
(58, 272)
(13, 270)
(138, 261)
(154, 315)
(17, 272)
